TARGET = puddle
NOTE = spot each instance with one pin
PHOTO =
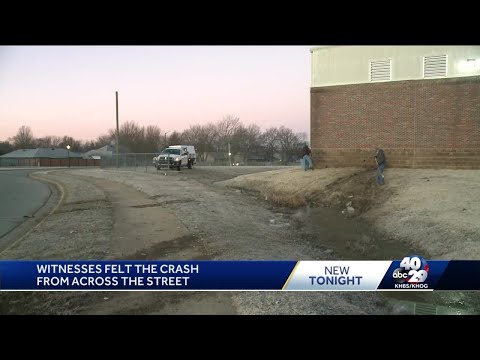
(349, 237)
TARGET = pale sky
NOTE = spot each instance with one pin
(70, 90)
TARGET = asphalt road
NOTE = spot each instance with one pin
(20, 198)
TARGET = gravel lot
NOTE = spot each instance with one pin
(234, 221)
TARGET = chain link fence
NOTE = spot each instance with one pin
(144, 162)
(132, 161)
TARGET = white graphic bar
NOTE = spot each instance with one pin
(337, 275)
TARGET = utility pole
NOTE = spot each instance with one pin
(116, 141)
(68, 149)
(229, 155)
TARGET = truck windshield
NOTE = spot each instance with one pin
(171, 151)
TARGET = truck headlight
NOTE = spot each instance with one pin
(177, 159)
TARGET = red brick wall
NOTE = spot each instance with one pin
(419, 123)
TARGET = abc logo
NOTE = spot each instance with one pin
(412, 270)
(400, 275)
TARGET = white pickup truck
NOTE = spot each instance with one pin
(176, 156)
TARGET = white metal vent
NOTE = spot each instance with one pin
(381, 70)
(435, 66)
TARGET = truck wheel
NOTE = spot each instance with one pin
(190, 164)
(179, 166)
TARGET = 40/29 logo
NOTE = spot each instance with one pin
(413, 270)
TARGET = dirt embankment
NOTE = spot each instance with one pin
(330, 188)
(435, 211)
(291, 187)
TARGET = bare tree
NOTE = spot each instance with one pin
(302, 137)
(43, 142)
(175, 138)
(131, 135)
(153, 138)
(209, 134)
(103, 140)
(75, 145)
(133, 138)
(288, 141)
(88, 145)
(48, 141)
(225, 129)
(228, 125)
(192, 135)
(56, 140)
(24, 138)
(202, 137)
(5, 147)
(270, 143)
(245, 140)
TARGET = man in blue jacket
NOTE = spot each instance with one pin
(307, 158)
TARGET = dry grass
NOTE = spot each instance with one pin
(292, 187)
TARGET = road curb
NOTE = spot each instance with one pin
(60, 188)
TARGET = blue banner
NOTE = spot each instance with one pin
(144, 275)
(412, 273)
(460, 275)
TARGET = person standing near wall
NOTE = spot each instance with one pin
(307, 158)
(380, 160)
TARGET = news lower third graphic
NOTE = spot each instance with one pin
(411, 273)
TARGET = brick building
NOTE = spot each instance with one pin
(421, 104)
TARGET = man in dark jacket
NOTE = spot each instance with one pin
(380, 160)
